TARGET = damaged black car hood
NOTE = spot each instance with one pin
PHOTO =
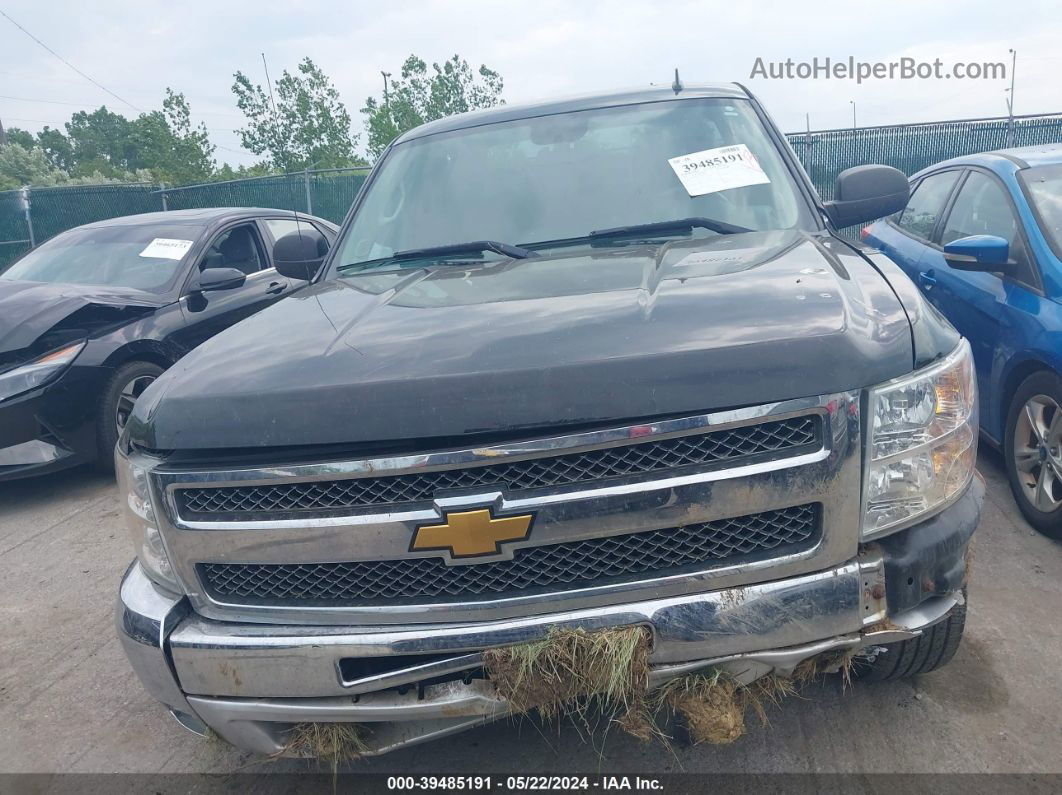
(36, 317)
(576, 336)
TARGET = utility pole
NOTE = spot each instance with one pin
(269, 84)
(1010, 97)
(852, 103)
(3, 135)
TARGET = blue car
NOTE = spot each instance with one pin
(982, 238)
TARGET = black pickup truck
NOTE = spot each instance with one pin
(599, 362)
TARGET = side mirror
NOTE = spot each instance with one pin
(978, 253)
(867, 193)
(219, 279)
(299, 255)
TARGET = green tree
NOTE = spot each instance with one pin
(227, 172)
(102, 145)
(169, 145)
(417, 97)
(57, 148)
(20, 166)
(310, 127)
(23, 138)
(101, 141)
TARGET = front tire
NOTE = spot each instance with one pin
(931, 650)
(116, 403)
(1033, 451)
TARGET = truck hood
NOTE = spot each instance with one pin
(35, 316)
(582, 336)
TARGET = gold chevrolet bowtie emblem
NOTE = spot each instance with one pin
(470, 534)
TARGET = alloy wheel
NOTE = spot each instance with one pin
(1038, 452)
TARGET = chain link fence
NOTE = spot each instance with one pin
(325, 193)
(15, 238)
(912, 147)
(329, 193)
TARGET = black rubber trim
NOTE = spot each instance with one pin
(929, 558)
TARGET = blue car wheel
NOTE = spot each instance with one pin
(1033, 449)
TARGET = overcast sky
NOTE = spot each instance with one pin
(542, 48)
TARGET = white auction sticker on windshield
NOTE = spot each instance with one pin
(719, 169)
(166, 248)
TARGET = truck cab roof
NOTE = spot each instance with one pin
(629, 96)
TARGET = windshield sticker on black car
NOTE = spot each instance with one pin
(166, 248)
(714, 170)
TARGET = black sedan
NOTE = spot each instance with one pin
(91, 317)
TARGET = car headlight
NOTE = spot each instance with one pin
(38, 372)
(922, 443)
(139, 513)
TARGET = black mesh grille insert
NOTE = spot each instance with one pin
(593, 465)
(571, 564)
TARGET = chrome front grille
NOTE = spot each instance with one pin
(648, 510)
(562, 470)
(573, 565)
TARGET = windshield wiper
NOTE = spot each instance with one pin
(721, 227)
(478, 246)
(441, 252)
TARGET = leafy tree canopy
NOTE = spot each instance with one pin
(227, 172)
(417, 97)
(21, 166)
(23, 138)
(168, 143)
(309, 127)
(161, 145)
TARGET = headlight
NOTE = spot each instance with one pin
(139, 513)
(922, 443)
(38, 372)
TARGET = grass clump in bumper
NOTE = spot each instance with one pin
(570, 671)
(333, 743)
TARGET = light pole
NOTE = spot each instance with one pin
(852, 103)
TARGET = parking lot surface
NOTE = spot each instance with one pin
(70, 703)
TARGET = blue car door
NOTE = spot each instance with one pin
(987, 308)
(905, 238)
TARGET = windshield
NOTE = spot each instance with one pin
(563, 176)
(1044, 185)
(143, 257)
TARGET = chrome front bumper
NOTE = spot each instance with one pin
(251, 682)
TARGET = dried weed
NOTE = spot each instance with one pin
(332, 743)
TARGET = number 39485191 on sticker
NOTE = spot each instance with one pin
(714, 170)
